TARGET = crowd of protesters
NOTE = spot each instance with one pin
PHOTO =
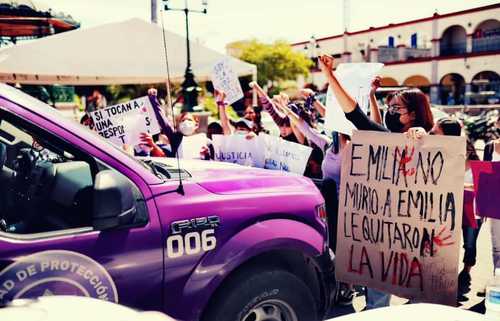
(406, 111)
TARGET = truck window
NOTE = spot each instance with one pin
(47, 185)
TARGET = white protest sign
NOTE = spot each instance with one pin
(284, 155)
(239, 150)
(356, 79)
(400, 215)
(335, 118)
(191, 146)
(123, 123)
(225, 79)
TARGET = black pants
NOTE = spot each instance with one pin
(329, 191)
(470, 238)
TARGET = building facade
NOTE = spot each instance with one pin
(453, 57)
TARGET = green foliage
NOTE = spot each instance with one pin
(123, 93)
(288, 87)
(275, 62)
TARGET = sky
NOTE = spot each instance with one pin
(266, 20)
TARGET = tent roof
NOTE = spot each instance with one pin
(128, 52)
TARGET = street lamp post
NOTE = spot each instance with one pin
(189, 86)
(312, 53)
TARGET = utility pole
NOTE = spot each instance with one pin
(154, 11)
(345, 15)
(190, 87)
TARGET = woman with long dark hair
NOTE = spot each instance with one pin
(408, 112)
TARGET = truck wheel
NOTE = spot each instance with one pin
(272, 295)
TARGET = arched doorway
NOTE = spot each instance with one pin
(418, 81)
(453, 41)
(486, 36)
(452, 89)
(485, 88)
(388, 82)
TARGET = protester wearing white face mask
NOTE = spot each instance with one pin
(186, 127)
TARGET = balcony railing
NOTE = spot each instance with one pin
(412, 53)
(451, 49)
(388, 54)
(486, 44)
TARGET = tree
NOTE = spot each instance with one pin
(275, 62)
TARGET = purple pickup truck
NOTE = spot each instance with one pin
(209, 241)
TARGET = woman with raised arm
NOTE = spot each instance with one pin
(409, 110)
(186, 126)
(287, 131)
(375, 114)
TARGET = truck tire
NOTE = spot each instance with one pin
(271, 295)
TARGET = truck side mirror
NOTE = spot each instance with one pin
(113, 202)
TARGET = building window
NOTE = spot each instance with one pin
(414, 40)
(390, 42)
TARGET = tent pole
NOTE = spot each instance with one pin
(154, 11)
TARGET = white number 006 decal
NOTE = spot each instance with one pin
(191, 243)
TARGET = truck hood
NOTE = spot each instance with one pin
(227, 178)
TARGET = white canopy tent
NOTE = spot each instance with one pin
(128, 52)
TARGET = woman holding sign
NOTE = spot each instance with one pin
(409, 112)
(186, 127)
(408, 109)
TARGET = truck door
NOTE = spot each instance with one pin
(72, 225)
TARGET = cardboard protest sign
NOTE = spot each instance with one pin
(225, 79)
(356, 79)
(123, 123)
(486, 187)
(284, 155)
(238, 149)
(191, 146)
(400, 215)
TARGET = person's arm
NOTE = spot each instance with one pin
(375, 114)
(174, 137)
(165, 126)
(221, 104)
(147, 140)
(347, 103)
(268, 105)
(320, 108)
(361, 121)
(301, 139)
